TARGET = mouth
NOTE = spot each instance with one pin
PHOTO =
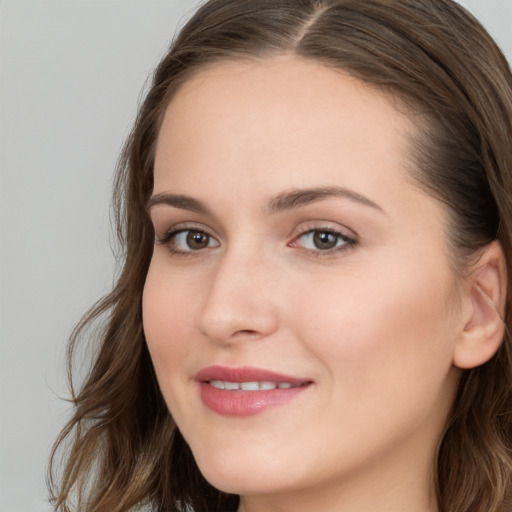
(245, 391)
(252, 385)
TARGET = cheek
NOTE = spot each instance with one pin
(385, 346)
(381, 330)
(167, 310)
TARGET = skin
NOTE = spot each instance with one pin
(373, 325)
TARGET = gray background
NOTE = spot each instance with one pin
(71, 72)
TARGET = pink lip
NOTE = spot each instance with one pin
(245, 403)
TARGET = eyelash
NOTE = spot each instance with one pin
(349, 242)
(168, 237)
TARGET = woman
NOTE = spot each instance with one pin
(313, 311)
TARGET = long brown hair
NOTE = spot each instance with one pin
(121, 448)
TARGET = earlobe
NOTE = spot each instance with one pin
(484, 327)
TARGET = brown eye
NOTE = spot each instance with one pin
(197, 240)
(325, 240)
(188, 241)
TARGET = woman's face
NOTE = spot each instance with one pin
(300, 306)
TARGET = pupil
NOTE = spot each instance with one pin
(325, 240)
(197, 240)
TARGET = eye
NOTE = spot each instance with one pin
(323, 241)
(184, 241)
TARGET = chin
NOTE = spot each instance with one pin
(244, 475)
(246, 485)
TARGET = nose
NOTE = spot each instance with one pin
(240, 303)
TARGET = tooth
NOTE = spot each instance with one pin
(250, 386)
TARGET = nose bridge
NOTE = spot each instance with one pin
(240, 299)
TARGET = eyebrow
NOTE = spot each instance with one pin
(298, 198)
(288, 200)
(177, 201)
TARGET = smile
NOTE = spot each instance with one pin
(252, 385)
(246, 391)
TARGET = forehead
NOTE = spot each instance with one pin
(271, 115)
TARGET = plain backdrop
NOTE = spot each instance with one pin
(71, 73)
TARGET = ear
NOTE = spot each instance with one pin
(483, 310)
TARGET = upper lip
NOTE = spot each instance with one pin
(245, 374)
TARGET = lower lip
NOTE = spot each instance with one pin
(245, 403)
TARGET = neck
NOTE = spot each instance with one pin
(394, 488)
(310, 500)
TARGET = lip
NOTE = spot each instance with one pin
(246, 403)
